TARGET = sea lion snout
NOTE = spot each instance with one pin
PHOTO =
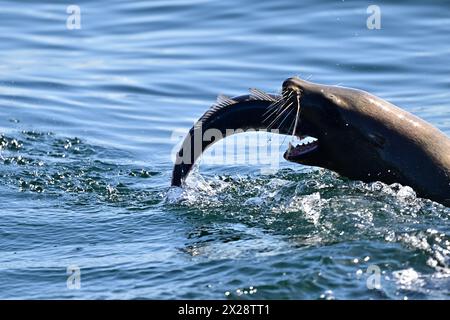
(298, 85)
(292, 83)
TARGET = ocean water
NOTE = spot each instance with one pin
(90, 119)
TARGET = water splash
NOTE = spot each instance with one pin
(318, 208)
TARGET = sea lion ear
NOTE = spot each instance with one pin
(257, 94)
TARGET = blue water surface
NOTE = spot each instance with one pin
(90, 119)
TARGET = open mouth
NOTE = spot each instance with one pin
(307, 145)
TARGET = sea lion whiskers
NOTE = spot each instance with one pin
(274, 107)
(284, 100)
(279, 115)
(295, 120)
(287, 115)
(297, 116)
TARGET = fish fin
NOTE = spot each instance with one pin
(223, 101)
(261, 95)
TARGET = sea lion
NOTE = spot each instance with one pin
(357, 135)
